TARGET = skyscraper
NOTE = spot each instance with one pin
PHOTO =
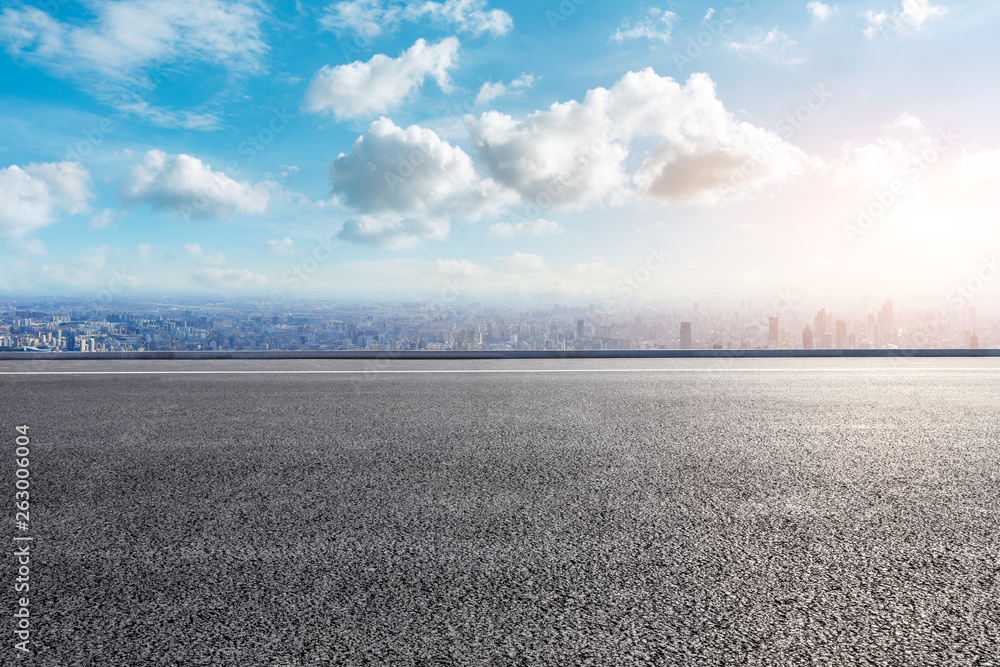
(841, 334)
(819, 326)
(685, 335)
(807, 339)
(772, 331)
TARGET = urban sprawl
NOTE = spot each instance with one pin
(64, 325)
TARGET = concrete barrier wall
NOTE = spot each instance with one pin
(503, 354)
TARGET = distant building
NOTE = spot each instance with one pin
(828, 341)
(685, 335)
(841, 334)
(773, 337)
(807, 338)
(973, 341)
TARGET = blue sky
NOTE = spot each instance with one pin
(561, 151)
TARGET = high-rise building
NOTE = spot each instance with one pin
(685, 335)
(807, 339)
(885, 315)
(772, 332)
(973, 341)
(841, 334)
(827, 341)
(819, 326)
(579, 328)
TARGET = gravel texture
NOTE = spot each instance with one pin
(797, 513)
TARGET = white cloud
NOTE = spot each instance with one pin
(774, 46)
(591, 267)
(821, 12)
(128, 35)
(168, 118)
(903, 156)
(229, 278)
(911, 14)
(283, 246)
(408, 184)
(511, 230)
(34, 196)
(709, 14)
(195, 250)
(185, 185)
(906, 121)
(371, 18)
(656, 25)
(113, 52)
(574, 153)
(25, 246)
(975, 168)
(367, 18)
(490, 90)
(145, 250)
(393, 232)
(102, 219)
(523, 262)
(382, 83)
(458, 268)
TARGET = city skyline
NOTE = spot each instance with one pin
(445, 325)
(538, 152)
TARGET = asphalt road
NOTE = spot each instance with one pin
(752, 512)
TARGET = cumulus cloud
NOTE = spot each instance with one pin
(185, 185)
(382, 83)
(34, 196)
(283, 246)
(228, 278)
(490, 90)
(538, 227)
(407, 184)
(903, 155)
(371, 18)
(911, 14)
(774, 46)
(656, 25)
(574, 153)
(821, 12)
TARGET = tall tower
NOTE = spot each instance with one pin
(685, 335)
(841, 334)
(807, 338)
(772, 332)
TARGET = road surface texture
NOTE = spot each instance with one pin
(581, 512)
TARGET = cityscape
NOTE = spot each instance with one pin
(68, 325)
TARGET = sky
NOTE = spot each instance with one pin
(549, 150)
